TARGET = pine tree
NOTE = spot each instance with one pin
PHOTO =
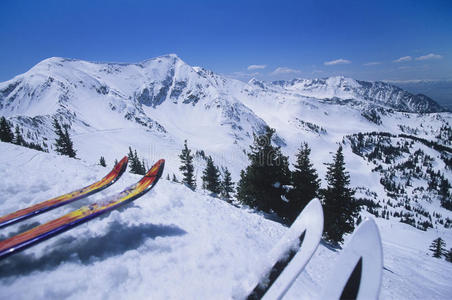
(437, 247)
(167, 177)
(69, 145)
(116, 162)
(102, 161)
(227, 186)
(339, 206)
(187, 167)
(136, 166)
(305, 183)
(261, 185)
(6, 134)
(211, 177)
(63, 143)
(448, 255)
(175, 178)
(444, 194)
(143, 167)
(18, 139)
(132, 162)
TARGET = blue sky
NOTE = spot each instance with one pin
(281, 39)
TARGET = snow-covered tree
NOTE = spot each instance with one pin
(438, 247)
(6, 134)
(211, 177)
(305, 183)
(187, 167)
(102, 161)
(18, 138)
(136, 166)
(174, 179)
(339, 206)
(448, 255)
(444, 193)
(262, 183)
(227, 186)
(63, 143)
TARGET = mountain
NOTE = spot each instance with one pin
(376, 93)
(397, 148)
(397, 145)
(440, 90)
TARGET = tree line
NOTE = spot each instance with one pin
(7, 135)
(267, 184)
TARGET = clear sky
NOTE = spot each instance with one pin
(371, 40)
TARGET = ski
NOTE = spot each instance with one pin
(50, 204)
(291, 254)
(358, 271)
(45, 231)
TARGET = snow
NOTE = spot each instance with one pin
(175, 243)
(176, 233)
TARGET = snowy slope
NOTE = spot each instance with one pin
(174, 243)
(155, 105)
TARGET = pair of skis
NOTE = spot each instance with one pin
(356, 275)
(45, 231)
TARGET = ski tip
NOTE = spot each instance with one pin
(120, 167)
(157, 169)
(312, 215)
(314, 205)
(359, 267)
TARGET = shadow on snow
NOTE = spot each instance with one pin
(116, 241)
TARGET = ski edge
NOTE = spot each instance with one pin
(39, 208)
(115, 198)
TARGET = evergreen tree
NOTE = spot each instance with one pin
(448, 255)
(102, 161)
(175, 178)
(187, 167)
(63, 143)
(6, 134)
(444, 194)
(261, 184)
(143, 167)
(18, 139)
(211, 177)
(136, 166)
(437, 247)
(305, 183)
(167, 177)
(339, 206)
(69, 145)
(132, 161)
(227, 186)
(116, 162)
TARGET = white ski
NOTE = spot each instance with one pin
(291, 254)
(358, 271)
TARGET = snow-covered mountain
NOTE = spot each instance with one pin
(371, 93)
(397, 146)
(156, 104)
